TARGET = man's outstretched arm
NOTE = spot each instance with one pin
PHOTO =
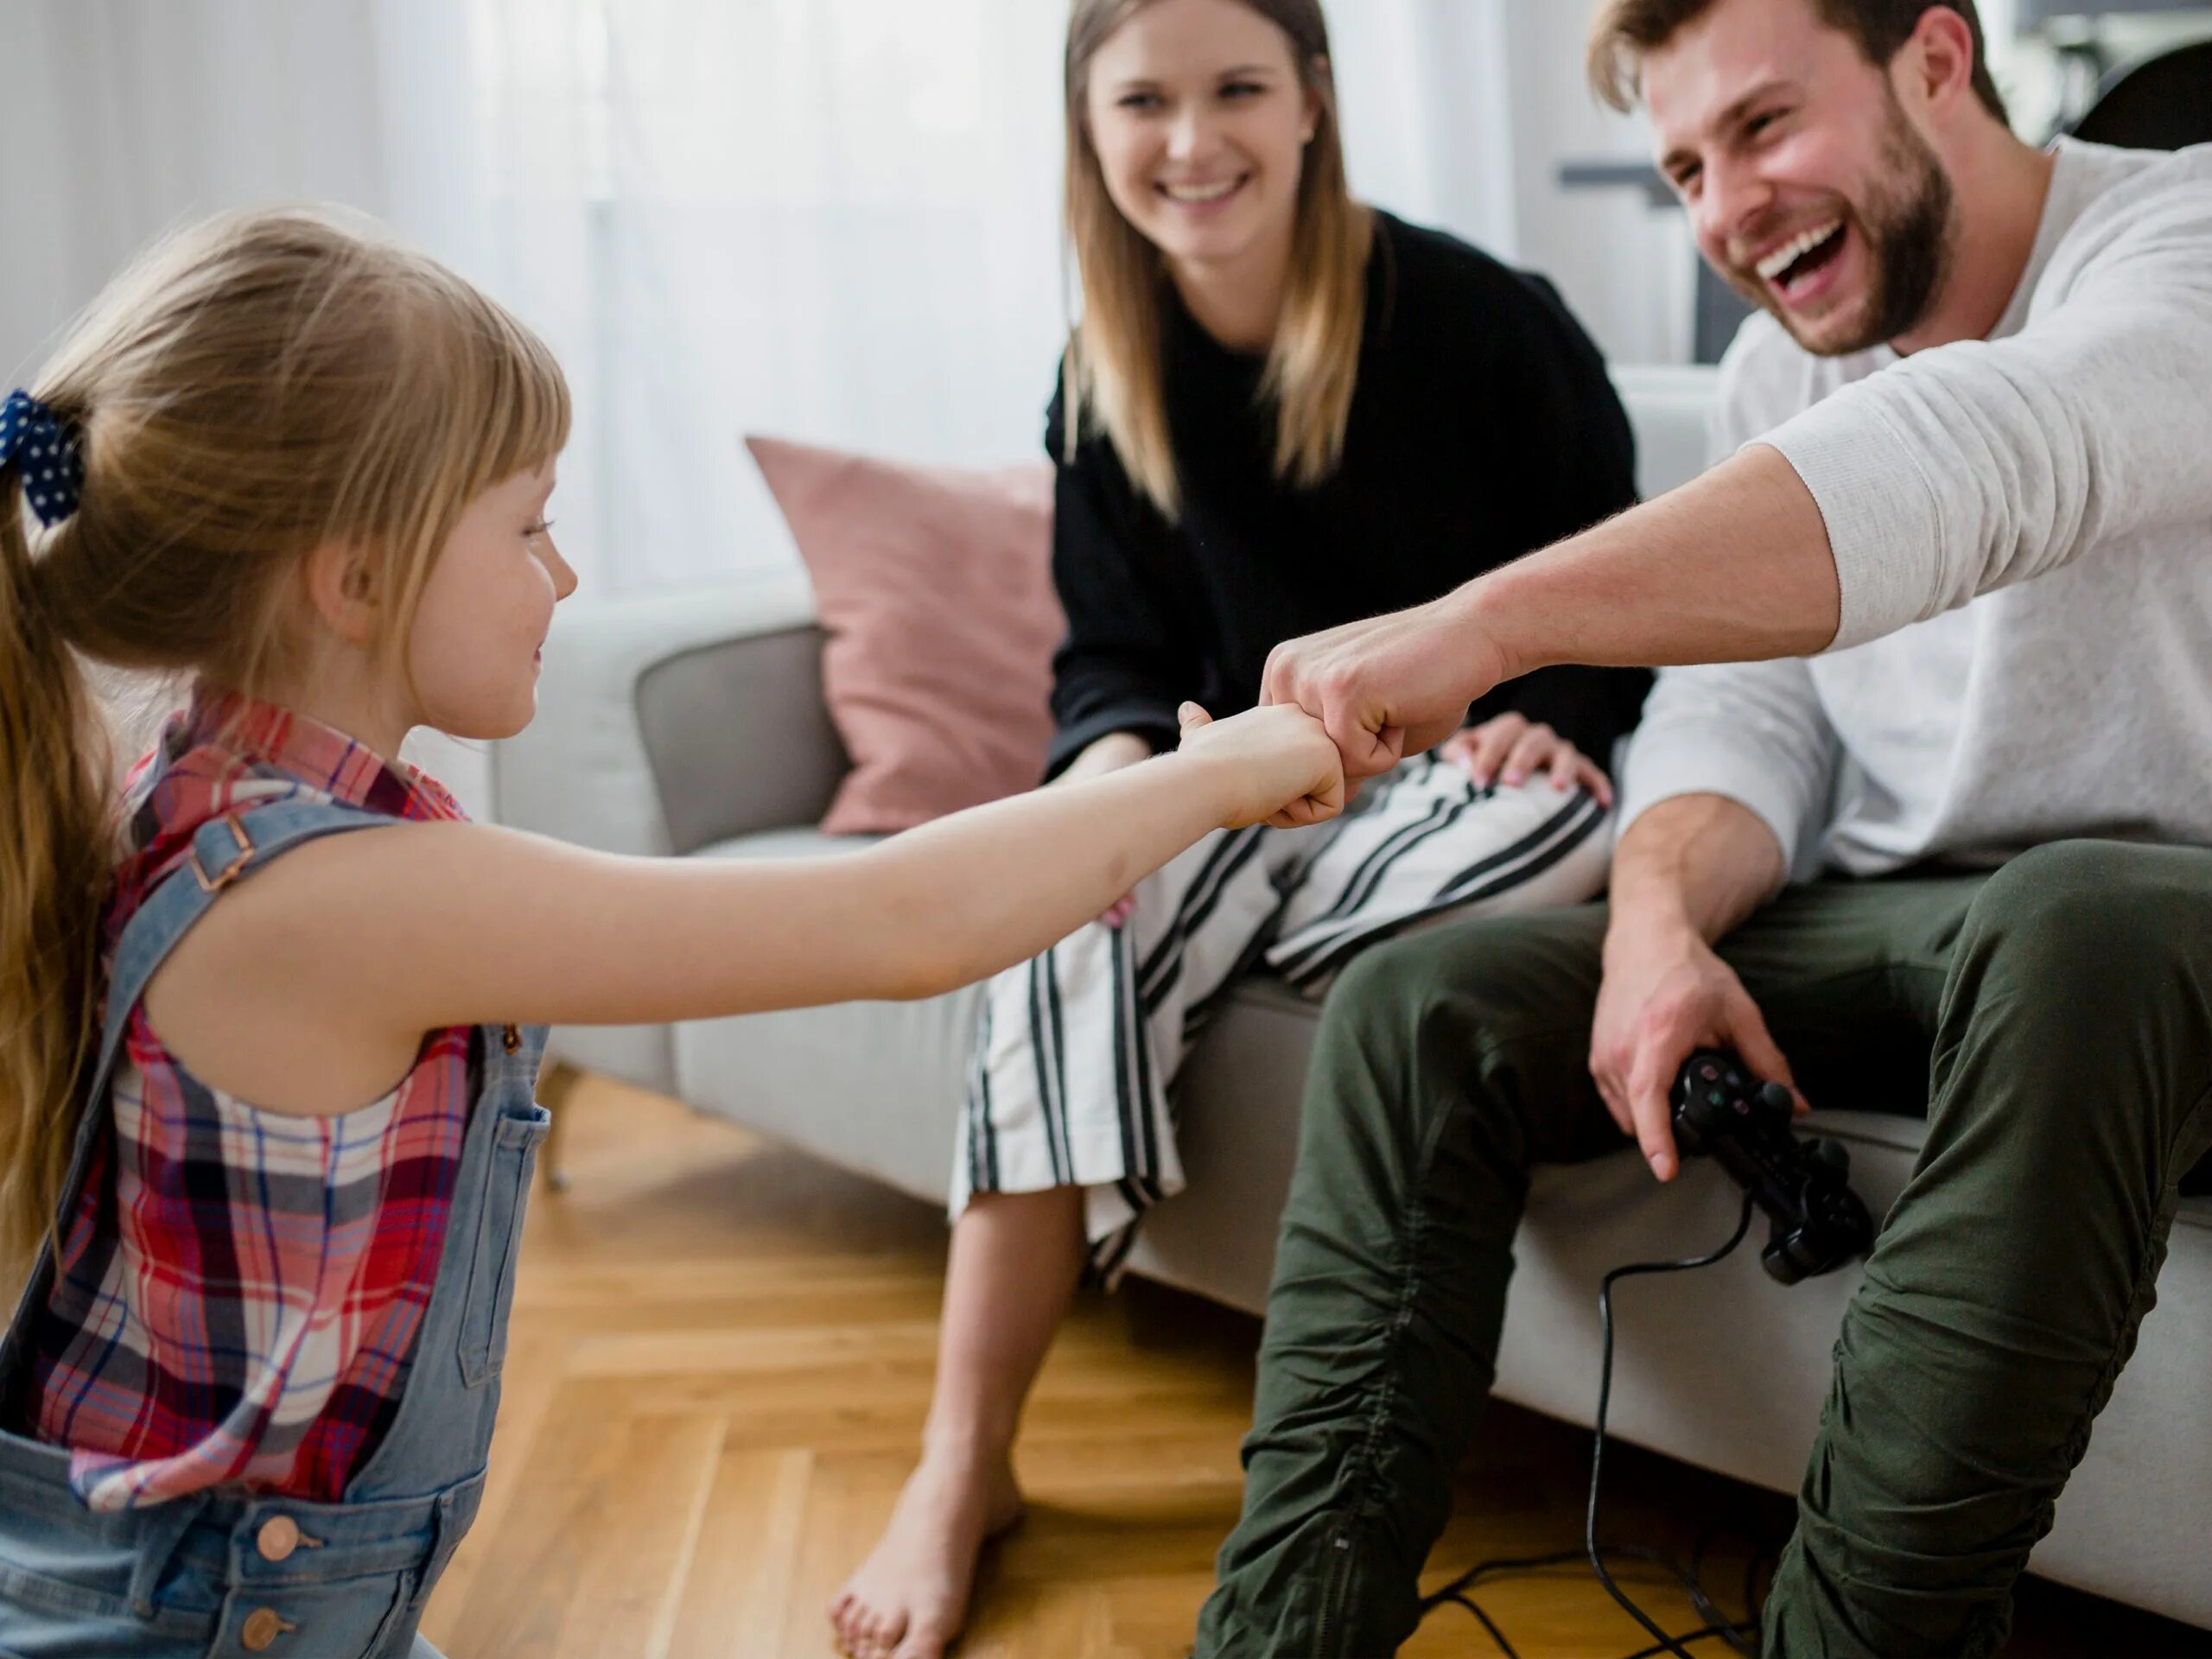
(1732, 567)
(1957, 472)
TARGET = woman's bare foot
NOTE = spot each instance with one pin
(910, 1597)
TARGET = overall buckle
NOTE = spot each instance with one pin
(229, 872)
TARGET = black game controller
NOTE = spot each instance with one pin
(1804, 1186)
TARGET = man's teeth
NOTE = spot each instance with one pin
(1796, 248)
(1201, 192)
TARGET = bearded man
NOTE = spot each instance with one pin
(1937, 833)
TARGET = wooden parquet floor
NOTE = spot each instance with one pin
(720, 1362)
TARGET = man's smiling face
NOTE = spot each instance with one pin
(1810, 188)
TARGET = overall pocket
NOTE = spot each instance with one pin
(70, 1579)
(498, 1241)
(43, 1616)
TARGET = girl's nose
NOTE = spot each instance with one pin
(563, 574)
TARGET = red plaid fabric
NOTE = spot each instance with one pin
(238, 1291)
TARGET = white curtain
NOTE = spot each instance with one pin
(127, 115)
(827, 219)
(835, 221)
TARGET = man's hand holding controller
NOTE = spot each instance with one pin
(1665, 995)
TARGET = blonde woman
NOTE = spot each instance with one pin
(1282, 410)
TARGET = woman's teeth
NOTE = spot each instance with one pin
(1796, 248)
(1200, 193)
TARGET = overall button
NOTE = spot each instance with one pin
(261, 1629)
(279, 1537)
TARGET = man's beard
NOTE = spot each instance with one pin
(1906, 226)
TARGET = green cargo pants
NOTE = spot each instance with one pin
(2055, 1017)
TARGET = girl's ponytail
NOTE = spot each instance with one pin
(54, 869)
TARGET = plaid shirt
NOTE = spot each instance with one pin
(238, 1291)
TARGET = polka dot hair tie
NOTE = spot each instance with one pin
(34, 441)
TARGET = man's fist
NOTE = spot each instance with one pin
(1390, 687)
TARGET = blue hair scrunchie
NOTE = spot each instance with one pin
(35, 440)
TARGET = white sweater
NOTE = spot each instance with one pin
(2023, 533)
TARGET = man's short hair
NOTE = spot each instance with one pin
(1627, 30)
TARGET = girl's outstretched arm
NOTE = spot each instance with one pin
(334, 962)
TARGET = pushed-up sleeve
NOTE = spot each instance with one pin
(1967, 467)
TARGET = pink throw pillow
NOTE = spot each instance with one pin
(935, 587)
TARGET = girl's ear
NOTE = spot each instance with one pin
(342, 591)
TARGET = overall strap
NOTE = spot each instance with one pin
(223, 850)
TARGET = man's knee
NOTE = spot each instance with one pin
(2080, 920)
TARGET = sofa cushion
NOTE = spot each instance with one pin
(934, 585)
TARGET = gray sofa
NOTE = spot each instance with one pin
(692, 723)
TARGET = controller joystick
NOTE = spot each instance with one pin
(1804, 1186)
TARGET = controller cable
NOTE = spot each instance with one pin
(1739, 1634)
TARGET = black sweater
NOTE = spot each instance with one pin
(1483, 426)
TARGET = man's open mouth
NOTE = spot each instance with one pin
(1802, 255)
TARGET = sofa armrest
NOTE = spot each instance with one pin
(670, 721)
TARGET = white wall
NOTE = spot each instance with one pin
(126, 117)
(1460, 113)
(1628, 270)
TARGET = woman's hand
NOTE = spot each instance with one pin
(1510, 748)
(1287, 768)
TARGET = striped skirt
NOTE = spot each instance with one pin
(1077, 1050)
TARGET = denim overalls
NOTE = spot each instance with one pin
(224, 1573)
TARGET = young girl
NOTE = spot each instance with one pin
(1282, 410)
(267, 1080)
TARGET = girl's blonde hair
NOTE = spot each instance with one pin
(253, 388)
(1113, 369)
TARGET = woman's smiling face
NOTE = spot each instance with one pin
(1200, 117)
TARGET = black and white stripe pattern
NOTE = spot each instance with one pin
(1076, 1049)
(1387, 881)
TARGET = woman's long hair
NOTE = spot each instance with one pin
(252, 389)
(1113, 369)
